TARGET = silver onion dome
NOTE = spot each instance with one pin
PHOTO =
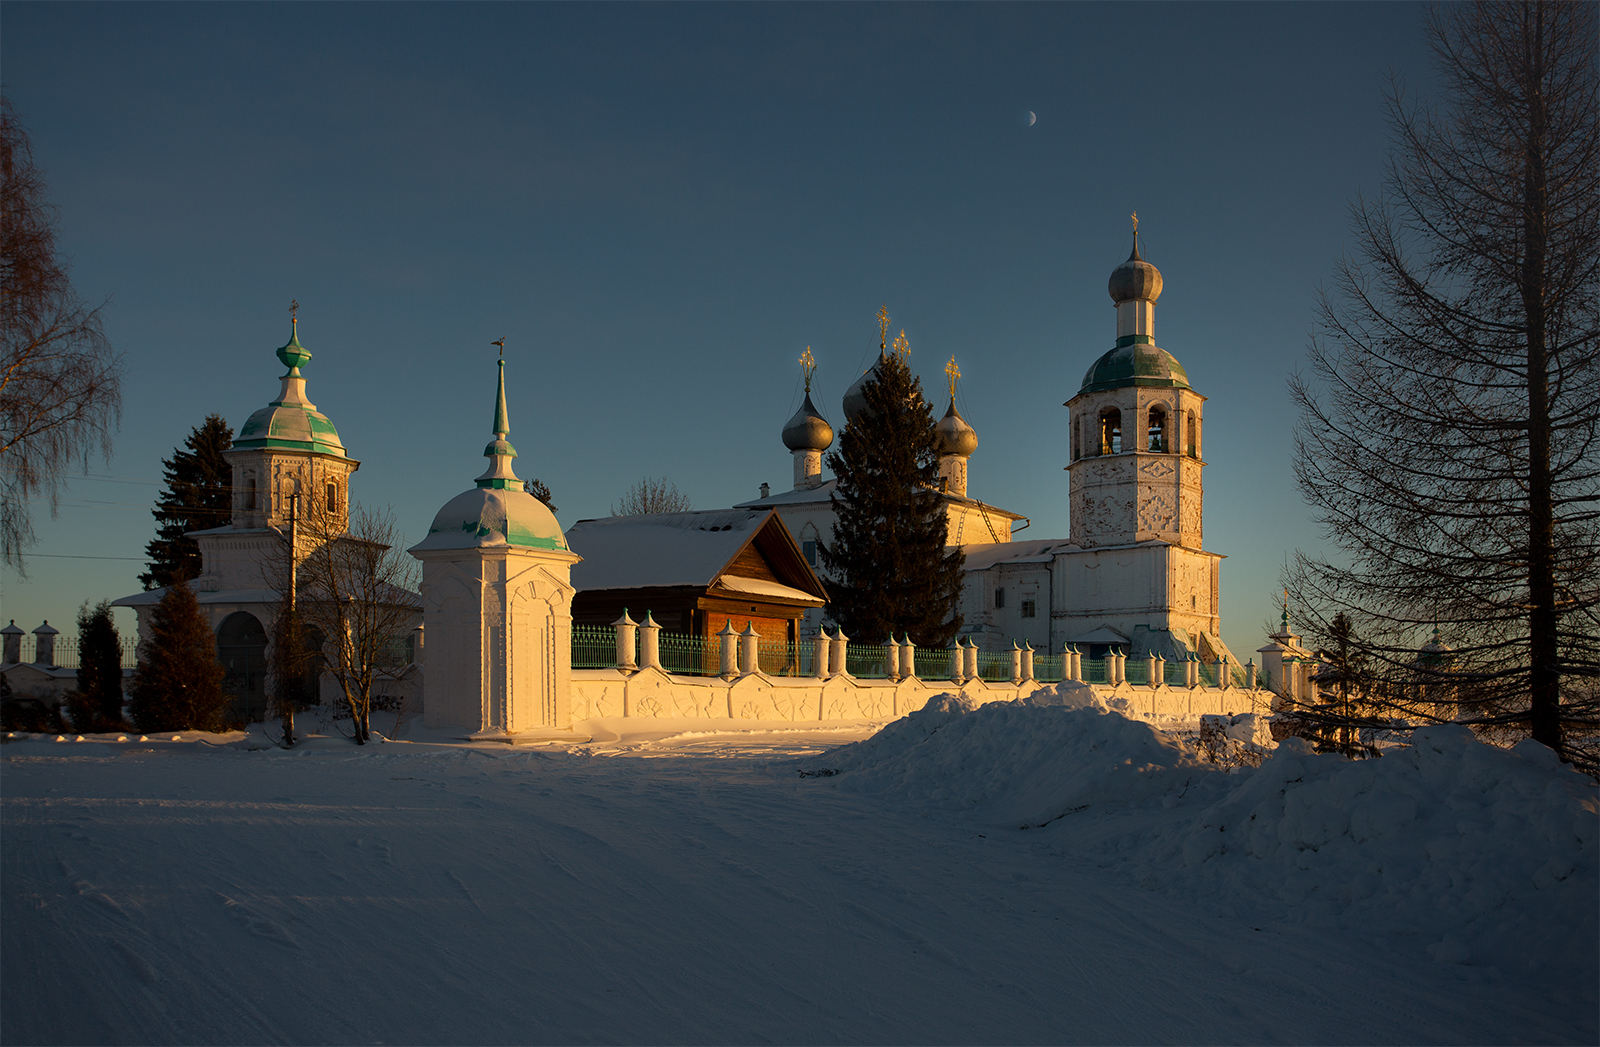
(1134, 279)
(954, 435)
(808, 430)
(855, 401)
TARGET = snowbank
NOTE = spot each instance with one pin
(1017, 764)
(1483, 855)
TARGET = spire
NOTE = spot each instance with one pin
(293, 354)
(499, 451)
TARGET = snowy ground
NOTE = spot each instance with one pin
(690, 885)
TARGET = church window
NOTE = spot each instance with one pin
(1158, 428)
(1000, 597)
(1111, 431)
(810, 549)
(1029, 609)
(333, 498)
(1193, 437)
(250, 494)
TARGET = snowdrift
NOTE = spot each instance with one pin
(1017, 764)
(1481, 855)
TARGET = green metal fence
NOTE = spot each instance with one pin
(594, 647)
(1049, 668)
(65, 652)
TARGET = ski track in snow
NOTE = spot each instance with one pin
(632, 893)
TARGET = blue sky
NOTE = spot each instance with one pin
(660, 206)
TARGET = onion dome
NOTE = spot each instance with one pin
(1135, 278)
(291, 422)
(497, 511)
(855, 400)
(954, 435)
(808, 430)
(1435, 652)
(1137, 364)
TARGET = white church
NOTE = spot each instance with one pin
(1131, 580)
(1132, 576)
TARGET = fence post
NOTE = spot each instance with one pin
(970, 660)
(1250, 674)
(1192, 672)
(819, 653)
(1073, 659)
(1222, 674)
(1027, 661)
(749, 650)
(891, 659)
(649, 643)
(730, 650)
(1016, 664)
(957, 662)
(627, 632)
(908, 658)
(1153, 670)
(837, 655)
(1121, 664)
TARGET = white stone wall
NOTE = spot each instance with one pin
(651, 693)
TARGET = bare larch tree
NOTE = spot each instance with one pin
(60, 381)
(1450, 428)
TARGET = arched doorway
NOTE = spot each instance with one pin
(242, 650)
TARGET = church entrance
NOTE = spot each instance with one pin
(242, 650)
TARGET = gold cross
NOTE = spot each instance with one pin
(901, 346)
(809, 365)
(294, 309)
(1135, 217)
(502, 344)
(952, 372)
(883, 325)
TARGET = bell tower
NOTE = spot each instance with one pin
(1136, 427)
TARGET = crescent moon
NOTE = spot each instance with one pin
(1031, 118)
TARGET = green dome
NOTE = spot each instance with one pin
(291, 422)
(1137, 363)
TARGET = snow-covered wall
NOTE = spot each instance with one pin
(756, 696)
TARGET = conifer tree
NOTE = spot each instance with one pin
(178, 684)
(889, 567)
(199, 495)
(99, 701)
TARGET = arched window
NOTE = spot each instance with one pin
(1193, 440)
(1111, 431)
(1158, 429)
(250, 494)
(333, 497)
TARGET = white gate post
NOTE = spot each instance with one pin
(1016, 664)
(1027, 661)
(649, 643)
(749, 641)
(627, 633)
(908, 658)
(840, 649)
(970, 661)
(730, 650)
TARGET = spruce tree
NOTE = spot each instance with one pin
(98, 705)
(178, 684)
(199, 495)
(889, 566)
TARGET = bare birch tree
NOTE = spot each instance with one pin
(1450, 428)
(357, 588)
(60, 381)
(651, 495)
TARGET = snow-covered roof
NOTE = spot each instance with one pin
(821, 493)
(762, 587)
(660, 549)
(983, 555)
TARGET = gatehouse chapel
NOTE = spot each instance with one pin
(501, 580)
(288, 463)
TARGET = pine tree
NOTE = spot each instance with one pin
(890, 569)
(178, 684)
(98, 705)
(199, 495)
